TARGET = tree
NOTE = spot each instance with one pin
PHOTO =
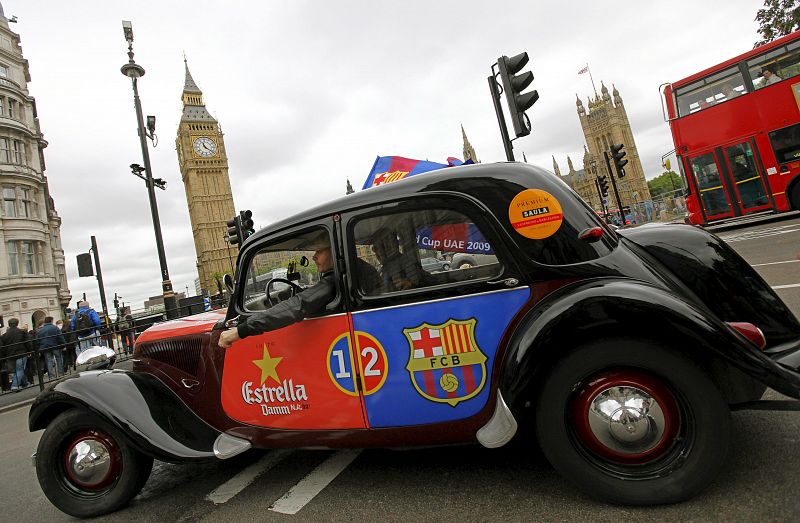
(776, 19)
(667, 182)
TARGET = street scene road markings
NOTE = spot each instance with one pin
(774, 263)
(311, 485)
(241, 480)
(790, 286)
(759, 233)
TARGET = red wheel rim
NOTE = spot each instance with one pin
(625, 416)
(92, 460)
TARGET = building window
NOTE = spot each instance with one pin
(4, 150)
(13, 258)
(10, 202)
(2, 106)
(26, 202)
(15, 152)
(11, 107)
(28, 264)
(3, 71)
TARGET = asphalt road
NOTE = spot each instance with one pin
(759, 483)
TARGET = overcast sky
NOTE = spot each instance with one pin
(309, 93)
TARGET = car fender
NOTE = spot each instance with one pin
(625, 309)
(151, 415)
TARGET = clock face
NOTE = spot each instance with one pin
(205, 146)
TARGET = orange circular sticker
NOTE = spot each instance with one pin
(535, 214)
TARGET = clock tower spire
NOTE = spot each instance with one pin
(203, 162)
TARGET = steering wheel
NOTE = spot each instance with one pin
(294, 287)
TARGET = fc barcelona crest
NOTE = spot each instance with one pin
(445, 363)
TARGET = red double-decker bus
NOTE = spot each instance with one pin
(736, 128)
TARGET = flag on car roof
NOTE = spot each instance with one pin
(388, 169)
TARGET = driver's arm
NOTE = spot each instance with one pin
(307, 303)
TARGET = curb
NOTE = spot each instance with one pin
(14, 406)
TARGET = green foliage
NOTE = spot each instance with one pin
(777, 18)
(667, 182)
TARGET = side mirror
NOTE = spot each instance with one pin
(303, 261)
(94, 355)
(227, 279)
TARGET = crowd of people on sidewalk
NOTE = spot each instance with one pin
(54, 347)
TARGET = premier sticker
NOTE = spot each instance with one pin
(535, 214)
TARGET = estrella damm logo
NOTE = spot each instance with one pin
(445, 363)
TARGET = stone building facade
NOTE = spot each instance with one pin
(604, 123)
(203, 163)
(33, 277)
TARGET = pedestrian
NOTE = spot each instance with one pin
(125, 329)
(15, 344)
(51, 341)
(69, 351)
(6, 368)
(85, 324)
(33, 354)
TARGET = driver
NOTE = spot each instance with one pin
(306, 303)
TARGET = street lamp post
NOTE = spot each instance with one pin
(135, 71)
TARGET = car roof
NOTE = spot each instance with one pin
(442, 180)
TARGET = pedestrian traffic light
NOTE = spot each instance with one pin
(235, 230)
(617, 154)
(513, 85)
(246, 221)
(603, 181)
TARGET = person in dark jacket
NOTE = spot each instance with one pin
(15, 343)
(69, 351)
(31, 360)
(51, 341)
(306, 303)
(6, 368)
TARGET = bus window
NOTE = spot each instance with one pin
(786, 143)
(776, 65)
(714, 89)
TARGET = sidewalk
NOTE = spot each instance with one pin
(14, 400)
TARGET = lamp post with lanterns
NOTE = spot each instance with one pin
(135, 71)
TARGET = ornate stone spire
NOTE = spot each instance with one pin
(469, 151)
(555, 167)
(617, 97)
(193, 106)
(189, 86)
(569, 163)
(579, 104)
(604, 91)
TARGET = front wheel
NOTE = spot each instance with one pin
(633, 423)
(85, 466)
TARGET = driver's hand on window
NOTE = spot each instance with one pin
(227, 338)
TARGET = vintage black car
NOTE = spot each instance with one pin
(624, 351)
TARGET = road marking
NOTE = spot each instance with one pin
(790, 286)
(758, 233)
(241, 480)
(311, 485)
(775, 263)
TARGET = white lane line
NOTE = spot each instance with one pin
(311, 485)
(775, 263)
(241, 480)
(791, 286)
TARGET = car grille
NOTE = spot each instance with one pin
(181, 353)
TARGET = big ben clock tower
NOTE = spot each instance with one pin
(204, 170)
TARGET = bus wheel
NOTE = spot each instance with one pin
(633, 423)
(794, 197)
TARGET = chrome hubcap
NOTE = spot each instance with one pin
(89, 462)
(626, 419)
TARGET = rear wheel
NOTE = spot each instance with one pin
(633, 423)
(85, 466)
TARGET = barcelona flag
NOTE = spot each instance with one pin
(387, 169)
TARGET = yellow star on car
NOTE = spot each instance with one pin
(268, 365)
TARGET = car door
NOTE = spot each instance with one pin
(282, 379)
(426, 343)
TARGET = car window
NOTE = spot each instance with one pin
(421, 248)
(289, 259)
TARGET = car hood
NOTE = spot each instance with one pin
(196, 324)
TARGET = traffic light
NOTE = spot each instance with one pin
(513, 85)
(235, 230)
(617, 154)
(603, 181)
(246, 222)
(85, 265)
